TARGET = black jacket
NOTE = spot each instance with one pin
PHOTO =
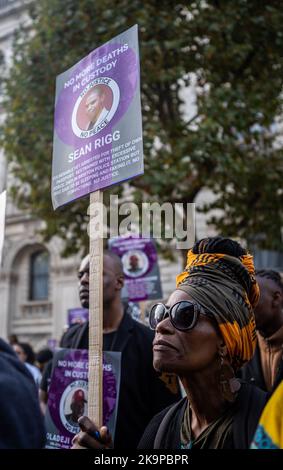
(163, 432)
(21, 422)
(252, 372)
(142, 392)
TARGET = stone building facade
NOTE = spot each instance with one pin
(37, 286)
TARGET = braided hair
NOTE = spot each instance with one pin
(222, 245)
(220, 276)
(272, 275)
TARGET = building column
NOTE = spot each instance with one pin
(4, 311)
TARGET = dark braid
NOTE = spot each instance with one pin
(222, 245)
(272, 275)
(229, 247)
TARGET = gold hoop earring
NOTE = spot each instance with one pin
(229, 384)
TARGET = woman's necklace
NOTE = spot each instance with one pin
(186, 433)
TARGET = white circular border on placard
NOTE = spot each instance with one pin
(142, 258)
(83, 134)
(78, 384)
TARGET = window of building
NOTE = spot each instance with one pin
(5, 3)
(268, 259)
(39, 275)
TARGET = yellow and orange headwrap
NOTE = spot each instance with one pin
(226, 286)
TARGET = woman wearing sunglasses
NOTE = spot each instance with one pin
(204, 334)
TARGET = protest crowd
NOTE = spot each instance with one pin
(218, 338)
(202, 367)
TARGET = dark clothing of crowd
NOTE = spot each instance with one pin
(21, 422)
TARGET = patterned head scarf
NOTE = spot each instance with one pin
(226, 287)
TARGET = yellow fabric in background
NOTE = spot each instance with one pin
(269, 434)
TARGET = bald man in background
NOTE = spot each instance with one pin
(143, 392)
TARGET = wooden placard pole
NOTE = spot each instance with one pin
(142, 307)
(95, 372)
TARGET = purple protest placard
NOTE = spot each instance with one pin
(98, 124)
(52, 343)
(68, 395)
(77, 315)
(140, 265)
